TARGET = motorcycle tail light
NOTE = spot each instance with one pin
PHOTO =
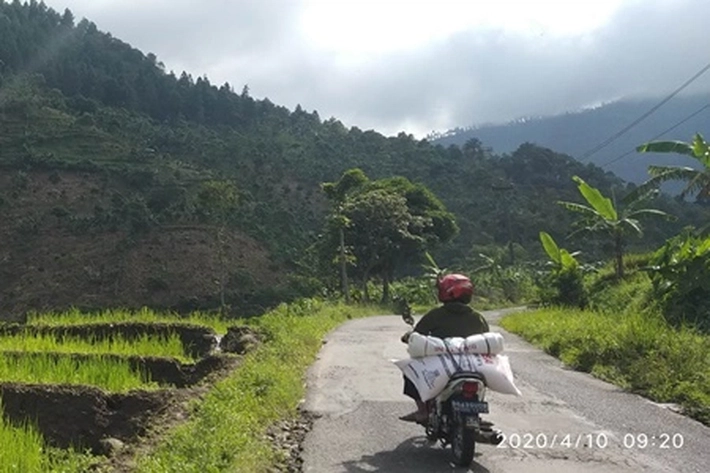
(469, 389)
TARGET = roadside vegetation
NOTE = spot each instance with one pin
(144, 345)
(227, 431)
(637, 351)
(645, 323)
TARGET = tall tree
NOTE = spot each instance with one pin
(337, 193)
(389, 221)
(217, 201)
(379, 222)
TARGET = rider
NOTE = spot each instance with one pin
(453, 319)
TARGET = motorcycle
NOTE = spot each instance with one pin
(454, 415)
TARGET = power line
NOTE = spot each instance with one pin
(612, 138)
(692, 115)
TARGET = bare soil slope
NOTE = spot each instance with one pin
(54, 257)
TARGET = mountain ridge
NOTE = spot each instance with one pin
(576, 133)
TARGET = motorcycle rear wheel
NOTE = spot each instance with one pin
(463, 445)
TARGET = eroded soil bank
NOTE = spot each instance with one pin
(82, 416)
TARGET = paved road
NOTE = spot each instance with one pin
(357, 391)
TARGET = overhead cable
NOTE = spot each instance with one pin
(621, 132)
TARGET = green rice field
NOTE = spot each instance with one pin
(145, 345)
(22, 449)
(77, 317)
(101, 372)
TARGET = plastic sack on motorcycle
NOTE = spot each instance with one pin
(430, 374)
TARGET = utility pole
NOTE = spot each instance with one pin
(507, 187)
(342, 257)
(343, 267)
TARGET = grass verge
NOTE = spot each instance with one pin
(145, 345)
(108, 374)
(145, 315)
(636, 351)
(227, 429)
(22, 449)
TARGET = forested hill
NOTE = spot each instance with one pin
(124, 184)
(578, 134)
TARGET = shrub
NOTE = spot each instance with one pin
(680, 272)
(564, 287)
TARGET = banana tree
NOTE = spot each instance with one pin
(561, 259)
(564, 285)
(601, 215)
(697, 180)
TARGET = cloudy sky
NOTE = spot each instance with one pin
(421, 65)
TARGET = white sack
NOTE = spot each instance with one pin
(489, 343)
(430, 374)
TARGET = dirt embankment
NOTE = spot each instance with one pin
(82, 416)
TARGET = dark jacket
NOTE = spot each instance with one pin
(453, 319)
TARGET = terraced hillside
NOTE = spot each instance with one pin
(74, 382)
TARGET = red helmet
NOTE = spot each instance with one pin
(454, 287)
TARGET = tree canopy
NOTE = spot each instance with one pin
(387, 222)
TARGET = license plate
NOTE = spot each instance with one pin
(472, 422)
(468, 407)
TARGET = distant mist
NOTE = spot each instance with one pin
(577, 133)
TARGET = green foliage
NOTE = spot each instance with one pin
(607, 296)
(419, 291)
(431, 268)
(602, 215)
(384, 223)
(351, 181)
(637, 351)
(680, 272)
(562, 259)
(602, 205)
(564, 285)
(217, 199)
(155, 136)
(21, 448)
(499, 284)
(697, 181)
(379, 224)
